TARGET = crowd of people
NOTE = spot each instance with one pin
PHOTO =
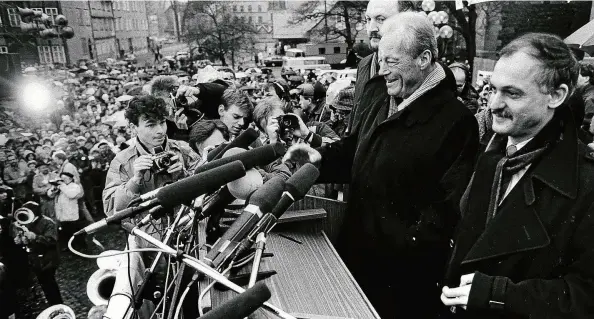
(413, 137)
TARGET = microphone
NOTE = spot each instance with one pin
(296, 187)
(255, 157)
(241, 305)
(260, 203)
(175, 194)
(244, 140)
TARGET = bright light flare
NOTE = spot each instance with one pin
(36, 96)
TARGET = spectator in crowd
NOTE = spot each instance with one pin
(16, 178)
(67, 193)
(524, 244)
(41, 186)
(466, 92)
(6, 199)
(208, 134)
(41, 238)
(312, 101)
(341, 110)
(585, 90)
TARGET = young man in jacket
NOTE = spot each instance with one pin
(408, 167)
(525, 245)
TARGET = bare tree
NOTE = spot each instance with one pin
(348, 12)
(211, 26)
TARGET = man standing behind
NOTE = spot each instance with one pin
(41, 184)
(16, 178)
(525, 246)
(408, 167)
(377, 12)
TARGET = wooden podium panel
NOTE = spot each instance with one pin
(311, 279)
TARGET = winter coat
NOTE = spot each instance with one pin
(67, 202)
(407, 174)
(536, 256)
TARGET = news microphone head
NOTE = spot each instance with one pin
(301, 153)
(191, 187)
(260, 156)
(241, 305)
(244, 140)
(243, 187)
(268, 195)
(299, 183)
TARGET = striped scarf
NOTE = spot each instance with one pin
(431, 81)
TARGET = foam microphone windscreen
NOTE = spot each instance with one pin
(191, 187)
(242, 305)
(241, 188)
(299, 183)
(268, 195)
(244, 140)
(259, 156)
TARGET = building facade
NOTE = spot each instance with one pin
(81, 45)
(131, 27)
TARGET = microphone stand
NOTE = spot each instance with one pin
(260, 244)
(148, 274)
(199, 266)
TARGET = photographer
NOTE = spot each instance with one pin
(39, 237)
(67, 193)
(143, 167)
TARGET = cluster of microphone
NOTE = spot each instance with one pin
(229, 174)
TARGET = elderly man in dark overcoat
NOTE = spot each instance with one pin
(408, 166)
(525, 244)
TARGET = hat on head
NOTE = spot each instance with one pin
(34, 162)
(307, 90)
(41, 163)
(345, 99)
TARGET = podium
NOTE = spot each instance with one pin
(311, 280)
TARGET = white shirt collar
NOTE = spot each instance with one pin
(519, 145)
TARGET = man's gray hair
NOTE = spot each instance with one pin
(414, 31)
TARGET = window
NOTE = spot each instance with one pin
(3, 50)
(321, 50)
(13, 17)
(259, 8)
(86, 17)
(52, 12)
(58, 54)
(241, 8)
(339, 19)
(242, 19)
(250, 20)
(260, 20)
(250, 8)
(45, 54)
(336, 49)
(84, 46)
(235, 8)
(0, 19)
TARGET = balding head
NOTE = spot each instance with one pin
(377, 12)
(407, 52)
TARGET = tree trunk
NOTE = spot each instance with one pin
(233, 58)
(176, 19)
(347, 23)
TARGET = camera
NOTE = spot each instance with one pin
(287, 123)
(162, 160)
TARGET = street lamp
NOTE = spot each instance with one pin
(40, 25)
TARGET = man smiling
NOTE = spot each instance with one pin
(408, 167)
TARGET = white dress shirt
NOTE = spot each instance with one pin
(517, 176)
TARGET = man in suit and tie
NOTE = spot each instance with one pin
(525, 244)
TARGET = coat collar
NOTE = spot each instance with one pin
(518, 226)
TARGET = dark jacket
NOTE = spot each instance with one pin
(407, 175)
(363, 74)
(44, 249)
(537, 254)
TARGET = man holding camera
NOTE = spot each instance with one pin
(153, 160)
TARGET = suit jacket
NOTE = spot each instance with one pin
(535, 259)
(407, 174)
